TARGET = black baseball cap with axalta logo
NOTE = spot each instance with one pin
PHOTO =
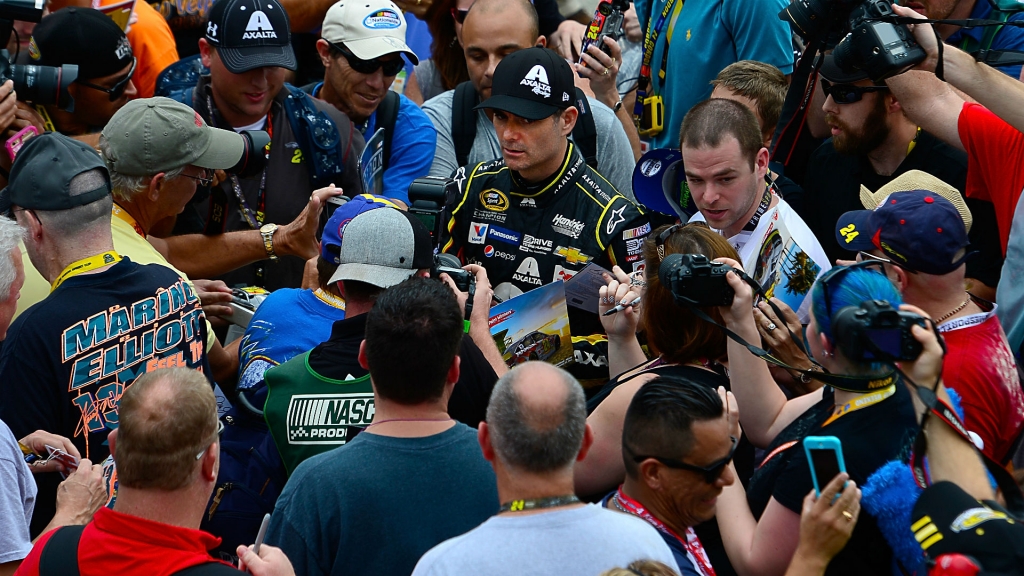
(533, 84)
(250, 34)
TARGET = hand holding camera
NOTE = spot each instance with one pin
(926, 369)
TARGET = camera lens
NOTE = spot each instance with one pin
(45, 84)
(254, 158)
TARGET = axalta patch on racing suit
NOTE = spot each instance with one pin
(530, 235)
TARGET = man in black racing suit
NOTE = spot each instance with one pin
(539, 213)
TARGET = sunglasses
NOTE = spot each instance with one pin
(660, 239)
(459, 15)
(848, 93)
(711, 472)
(878, 264)
(117, 90)
(868, 257)
(391, 67)
(205, 178)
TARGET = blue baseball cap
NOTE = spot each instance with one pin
(330, 242)
(919, 230)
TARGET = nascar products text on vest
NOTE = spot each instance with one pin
(529, 235)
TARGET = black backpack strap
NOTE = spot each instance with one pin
(463, 121)
(208, 569)
(387, 116)
(585, 132)
(60, 554)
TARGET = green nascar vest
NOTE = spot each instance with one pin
(308, 414)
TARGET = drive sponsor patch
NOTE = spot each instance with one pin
(325, 418)
(536, 245)
(634, 246)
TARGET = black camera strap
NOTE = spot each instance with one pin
(935, 407)
(857, 384)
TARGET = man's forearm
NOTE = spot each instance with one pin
(202, 256)
(306, 15)
(990, 87)
(481, 335)
(952, 458)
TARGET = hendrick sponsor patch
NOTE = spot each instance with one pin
(324, 418)
(567, 226)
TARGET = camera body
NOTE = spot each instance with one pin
(36, 84)
(876, 332)
(608, 21)
(879, 49)
(428, 197)
(694, 279)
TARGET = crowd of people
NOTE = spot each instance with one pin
(250, 251)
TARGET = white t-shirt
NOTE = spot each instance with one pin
(782, 228)
(17, 499)
(586, 541)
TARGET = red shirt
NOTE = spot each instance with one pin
(116, 543)
(981, 369)
(995, 162)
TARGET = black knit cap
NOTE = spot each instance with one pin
(81, 36)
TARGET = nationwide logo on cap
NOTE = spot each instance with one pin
(383, 19)
(537, 78)
(259, 27)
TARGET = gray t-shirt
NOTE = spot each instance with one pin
(428, 79)
(586, 540)
(17, 499)
(614, 155)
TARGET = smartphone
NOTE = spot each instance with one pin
(14, 143)
(825, 456)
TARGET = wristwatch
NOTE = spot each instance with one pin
(267, 231)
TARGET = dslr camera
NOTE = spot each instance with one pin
(695, 280)
(428, 197)
(876, 332)
(450, 265)
(865, 41)
(37, 84)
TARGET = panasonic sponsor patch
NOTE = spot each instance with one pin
(504, 235)
(325, 418)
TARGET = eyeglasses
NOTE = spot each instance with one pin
(868, 257)
(220, 431)
(660, 239)
(205, 177)
(711, 472)
(118, 89)
(459, 15)
(391, 67)
(838, 271)
(848, 93)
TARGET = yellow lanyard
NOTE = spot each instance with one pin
(123, 215)
(47, 122)
(329, 299)
(85, 264)
(862, 401)
(913, 142)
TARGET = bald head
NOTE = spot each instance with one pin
(537, 417)
(517, 15)
(166, 417)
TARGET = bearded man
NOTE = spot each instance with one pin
(872, 143)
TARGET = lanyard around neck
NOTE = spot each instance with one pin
(862, 401)
(84, 265)
(124, 216)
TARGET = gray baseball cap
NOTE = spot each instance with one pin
(384, 247)
(152, 135)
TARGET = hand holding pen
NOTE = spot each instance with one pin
(621, 294)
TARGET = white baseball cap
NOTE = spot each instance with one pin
(369, 28)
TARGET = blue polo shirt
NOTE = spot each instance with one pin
(412, 148)
(1008, 37)
(703, 38)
